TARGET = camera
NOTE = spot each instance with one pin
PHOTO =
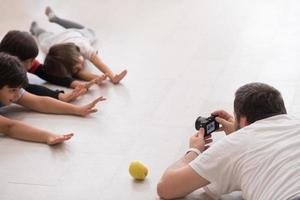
(209, 124)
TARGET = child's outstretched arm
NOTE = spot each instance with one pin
(50, 105)
(88, 76)
(71, 96)
(43, 91)
(84, 84)
(62, 81)
(40, 90)
(19, 130)
(115, 78)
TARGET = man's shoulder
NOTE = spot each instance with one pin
(274, 122)
(278, 118)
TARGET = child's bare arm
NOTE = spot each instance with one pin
(71, 96)
(19, 130)
(88, 76)
(50, 105)
(82, 84)
(115, 78)
(85, 75)
(96, 60)
(76, 84)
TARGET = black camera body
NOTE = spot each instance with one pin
(209, 124)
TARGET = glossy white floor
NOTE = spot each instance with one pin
(185, 58)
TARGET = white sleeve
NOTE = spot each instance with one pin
(21, 93)
(86, 50)
(212, 191)
(218, 163)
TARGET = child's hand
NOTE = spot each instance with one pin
(97, 81)
(57, 139)
(71, 96)
(100, 79)
(85, 85)
(118, 77)
(90, 83)
(89, 108)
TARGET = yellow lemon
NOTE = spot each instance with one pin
(138, 170)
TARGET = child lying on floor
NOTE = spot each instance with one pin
(22, 45)
(12, 79)
(66, 51)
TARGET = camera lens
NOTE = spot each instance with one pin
(199, 122)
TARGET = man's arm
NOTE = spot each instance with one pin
(180, 179)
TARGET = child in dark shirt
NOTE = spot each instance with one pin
(24, 46)
(12, 78)
(66, 51)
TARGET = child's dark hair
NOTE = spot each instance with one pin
(12, 74)
(61, 59)
(20, 44)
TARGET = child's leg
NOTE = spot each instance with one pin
(44, 38)
(62, 22)
(115, 78)
(36, 30)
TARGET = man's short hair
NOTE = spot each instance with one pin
(257, 101)
(12, 73)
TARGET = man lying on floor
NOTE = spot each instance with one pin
(260, 156)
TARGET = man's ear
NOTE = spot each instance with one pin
(243, 122)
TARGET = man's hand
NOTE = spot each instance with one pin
(226, 120)
(89, 108)
(199, 141)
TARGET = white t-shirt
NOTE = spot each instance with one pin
(80, 37)
(262, 160)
